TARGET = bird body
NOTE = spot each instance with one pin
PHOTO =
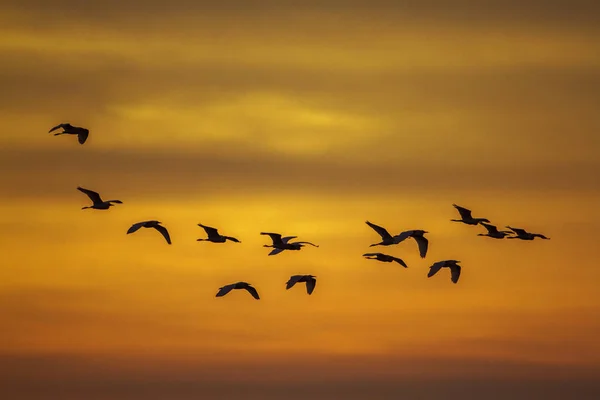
(151, 224)
(98, 203)
(283, 243)
(451, 264)
(524, 235)
(384, 258)
(466, 217)
(68, 129)
(238, 285)
(493, 232)
(214, 235)
(308, 279)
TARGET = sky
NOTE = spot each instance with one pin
(305, 118)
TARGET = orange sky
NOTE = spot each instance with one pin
(305, 118)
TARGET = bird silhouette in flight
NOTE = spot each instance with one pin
(384, 258)
(466, 217)
(239, 285)
(214, 236)
(99, 204)
(524, 235)
(68, 129)
(452, 264)
(493, 232)
(386, 238)
(151, 224)
(280, 244)
(421, 240)
(308, 279)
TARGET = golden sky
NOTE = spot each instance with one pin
(304, 118)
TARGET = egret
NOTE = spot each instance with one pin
(214, 236)
(524, 235)
(151, 224)
(421, 240)
(280, 244)
(384, 258)
(99, 204)
(308, 279)
(466, 217)
(493, 232)
(239, 285)
(452, 264)
(68, 129)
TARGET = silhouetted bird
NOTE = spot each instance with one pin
(68, 129)
(239, 285)
(452, 264)
(386, 238)
(309, 279)
(280, 244)
(99, 204)
(151, 224)
(421, 240)
(384, 258)
(493, 232)
(466, 217)
(524, 235)
(214, 236)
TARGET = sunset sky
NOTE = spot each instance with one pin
(305, 118)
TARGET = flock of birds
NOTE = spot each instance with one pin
(280, 244)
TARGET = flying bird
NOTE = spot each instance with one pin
(309, 279)
(99, 204)
(524, 235)
(421, 240)
(214, 236)
(386, 238)
(68, 129)
(384, 258)
(493, 232)
(452, 264)
(239, 285)
(466, 217)
(151, 224)
(280, 244)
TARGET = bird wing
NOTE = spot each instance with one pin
(371, 254)
(403, 236)
(400, 261)
(518, 231)
(465, 213)
(232, 239)
(293, 280)
(275, 237)
(253, 292)
(288, 238)
(225, 289)
(381, 231)
(310, 285)
(163, 231)
(135, 227)
(56, 127)
(94, 196)
(435, 268)
(312, 244)
(490, 228)
(275, 251)
(423, 244)
(455, 272)
(209, 231)
(83, 135)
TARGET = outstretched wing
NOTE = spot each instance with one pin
(292, 281)
(94, 196)
(163, 231)
(518, 231)
(403, 236)
(82, 135)
(275, 237)
(275, 251)
(310, 285)
(224, 290)
(312, 244)
(490, 228)
(288, 238)
(381, 231)
(253, 292)
(135, 227)
(371, 254)
(455, 272)
(400, 261)
(423, 244)
(465, 213)
(209, 230)
(435, 268)
(57, 127)
(232, 239)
